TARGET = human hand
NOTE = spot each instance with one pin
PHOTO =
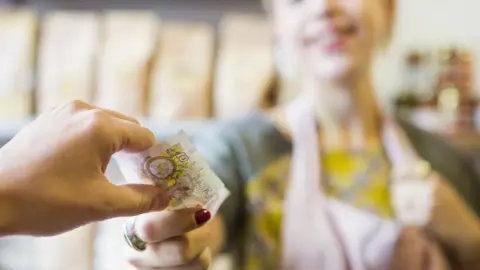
(414, 250)
(455, 224)
(52, 173)
(176, 240)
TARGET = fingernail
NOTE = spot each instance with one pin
(202, 216)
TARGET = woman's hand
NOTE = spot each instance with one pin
(416, 251)
(455, 225)
(176, 240)
(52, 173)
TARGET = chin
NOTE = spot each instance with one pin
(332, 68)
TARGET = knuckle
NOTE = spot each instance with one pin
(135, 120)
(96, 123)
(75, 105)
(146, 230)
(145, 204)
(97, 115)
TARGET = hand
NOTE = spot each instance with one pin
(52, 173)
(414, 250)
(176, 240)
(455, 225)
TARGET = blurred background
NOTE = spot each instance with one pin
(183, 60)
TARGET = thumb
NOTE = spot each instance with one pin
(131, 200)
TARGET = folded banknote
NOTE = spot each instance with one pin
(176, 165)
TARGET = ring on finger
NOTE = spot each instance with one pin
(131, 237)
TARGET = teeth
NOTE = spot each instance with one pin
(315, 32)
(324, 38)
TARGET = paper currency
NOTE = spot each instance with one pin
(176, 165)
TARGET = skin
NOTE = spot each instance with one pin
(331, 43)
(183, 246)
(52, 172)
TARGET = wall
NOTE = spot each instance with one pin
(420, 23)
(202, 10)
(428, 24)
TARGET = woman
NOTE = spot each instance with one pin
(292, 209)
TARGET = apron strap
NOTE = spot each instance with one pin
(309, 240)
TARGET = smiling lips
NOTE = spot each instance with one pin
(330, 39)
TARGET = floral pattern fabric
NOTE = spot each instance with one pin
(359, 178)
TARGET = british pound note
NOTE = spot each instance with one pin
(176, 165)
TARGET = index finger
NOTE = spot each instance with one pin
(158, 226)
(117, 115)
(131, 137)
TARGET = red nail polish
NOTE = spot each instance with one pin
(202, 216)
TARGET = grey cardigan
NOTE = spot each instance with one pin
(238, 149)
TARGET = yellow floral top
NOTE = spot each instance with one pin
(360, 178)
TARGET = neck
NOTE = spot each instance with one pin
(339, 105)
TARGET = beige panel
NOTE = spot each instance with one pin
(245, 67)
(181, 81)
(17, 47)
(126, 57)
(67, 55)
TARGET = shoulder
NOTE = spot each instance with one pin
(251, 141)
(254, 129)
(254, 141)
(456, 167)
(215, 127)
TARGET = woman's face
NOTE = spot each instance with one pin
(333, 38)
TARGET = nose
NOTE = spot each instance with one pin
(324, 8)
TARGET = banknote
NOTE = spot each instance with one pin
(177, 166)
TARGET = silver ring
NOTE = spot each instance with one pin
(131, 237)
